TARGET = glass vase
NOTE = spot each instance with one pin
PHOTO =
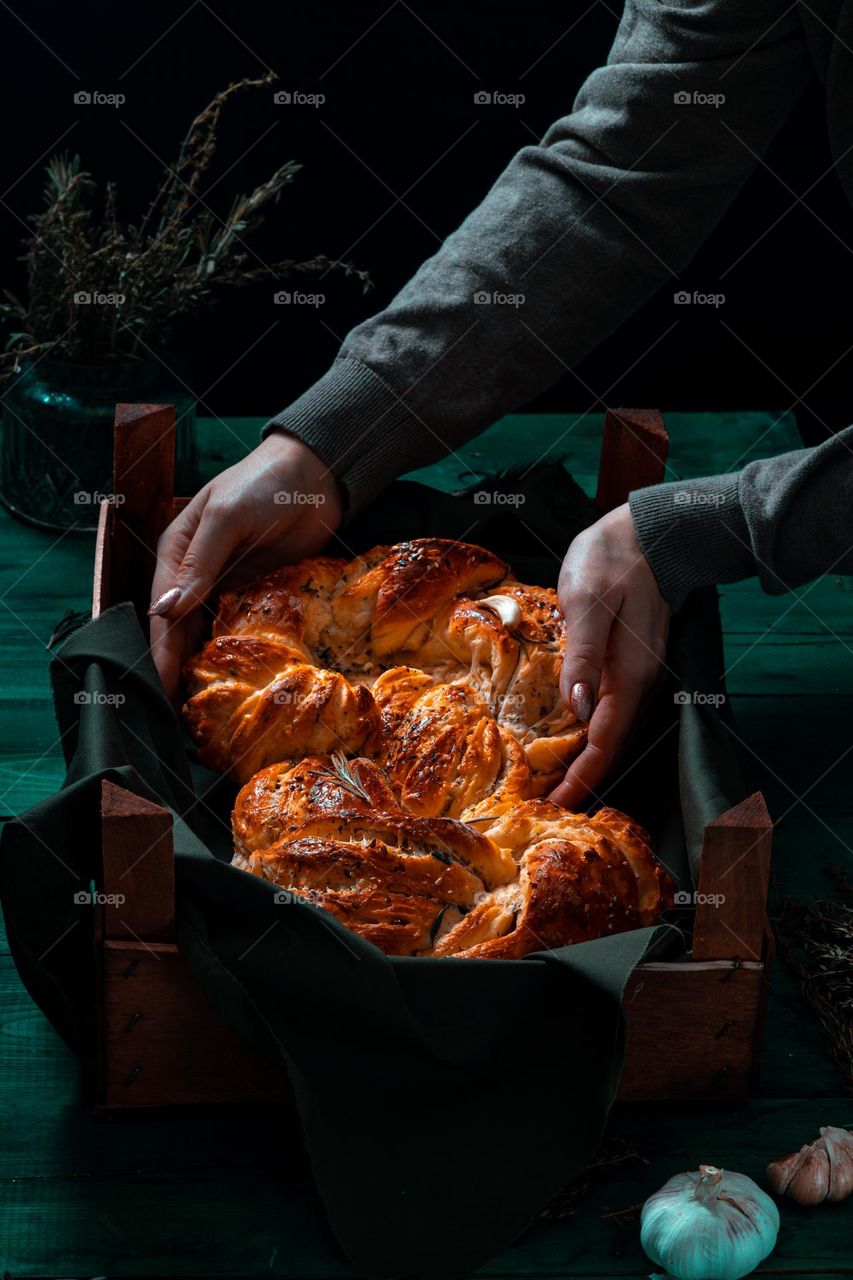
(58, 435)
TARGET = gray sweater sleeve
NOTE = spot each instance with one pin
(578, 230)
(785, 519)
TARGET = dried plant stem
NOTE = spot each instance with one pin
(816, 941)
(160, 273)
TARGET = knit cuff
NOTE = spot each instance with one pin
(355, 423)
(693, 533)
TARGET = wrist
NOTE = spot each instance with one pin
(692, 533)
(361, 425)
(311, 474)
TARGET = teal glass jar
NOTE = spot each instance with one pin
(58, 435)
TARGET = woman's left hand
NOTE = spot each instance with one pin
(617, 623)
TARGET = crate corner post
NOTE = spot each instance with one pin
(734, 875)
(142, 501)
(634, 449)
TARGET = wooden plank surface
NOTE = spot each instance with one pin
(190, 1196)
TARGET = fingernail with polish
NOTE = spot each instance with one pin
(582, 701)
(165, 602)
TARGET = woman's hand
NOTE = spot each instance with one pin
(279, 504)
(617, 624)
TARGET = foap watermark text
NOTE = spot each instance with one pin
(685, 699)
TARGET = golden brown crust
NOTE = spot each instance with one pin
(527, 877)
(567, 893)
(290, 604)
(334, 833)
(418, 606)
(255, 703)
(437, 669)
(417, 580)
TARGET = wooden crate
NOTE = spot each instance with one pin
(693, 1029)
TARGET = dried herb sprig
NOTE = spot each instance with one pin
(816, 940)
(344, 774)
(163, 268)
(613, 1153)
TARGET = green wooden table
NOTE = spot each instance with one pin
(195, 1195)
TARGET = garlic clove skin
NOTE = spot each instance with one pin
(709, 1225)
(821, 1170)
(809, 1184)
(507, 609)
(780, 1173)
(839, 1147)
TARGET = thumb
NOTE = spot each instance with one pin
(588, 624)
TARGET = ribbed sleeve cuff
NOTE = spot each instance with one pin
(355, 423)
(693, 533)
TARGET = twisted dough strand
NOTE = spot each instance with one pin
(499, 885)
(396, 655)
(440, 672)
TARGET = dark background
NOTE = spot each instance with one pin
(399, 99)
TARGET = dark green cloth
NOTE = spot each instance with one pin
(443, 1102)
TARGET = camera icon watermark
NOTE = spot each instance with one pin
(497, 98)
(697, 699)
(86, 298)
(288, 298)
(684, 899)
(286, 897)
(296, 498)
(94, 98)
(683, 98)
(84, 699)
(701, 498)
(493, 497)
(84, 898)
(93, 497)
(682, 298)
(296, 98)
(289, 698)
(494, 298)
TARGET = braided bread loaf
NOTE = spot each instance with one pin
(524, 877)
(437, 669)
(400, 654)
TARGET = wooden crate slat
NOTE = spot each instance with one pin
(162, 1043)
(690, 1030)
(143, 480)
(633, 454)
(731, 903)
(138, 867)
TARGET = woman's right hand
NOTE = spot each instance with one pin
(277, 505)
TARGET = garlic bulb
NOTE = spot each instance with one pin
(710, 1225)
(506, 608)
(821, 1170)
